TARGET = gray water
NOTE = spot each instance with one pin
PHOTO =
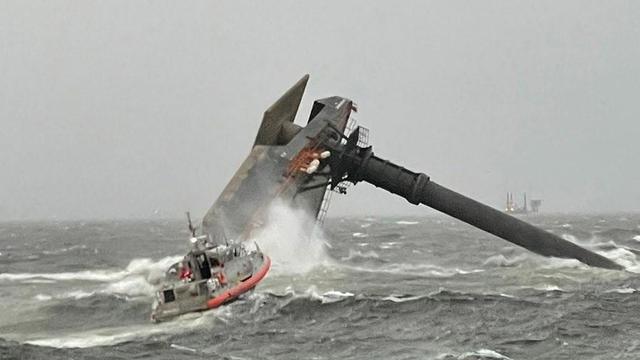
(382, 288)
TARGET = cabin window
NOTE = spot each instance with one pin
(168, 295)
(203, 264)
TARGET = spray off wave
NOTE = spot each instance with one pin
(287, 240)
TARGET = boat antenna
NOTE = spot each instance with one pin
(191, 228)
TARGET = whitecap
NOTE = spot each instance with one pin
(183, 348)
(484, 353)
(151, 270)
(622, 291)
(77, 294)
(548, 288)
(502, 261)
(397, 299)
(116, 335)
(359, 235)
(327, 297)
(405, 222)
(131, 286)
(414, 270)
(355, 254)
(636, 238)
(388, 245)
(38, 281)
(64, 250)
(88, 275)
(334, 296)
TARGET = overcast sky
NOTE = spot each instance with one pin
(118, 108)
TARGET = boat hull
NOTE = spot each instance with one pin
(238, 277)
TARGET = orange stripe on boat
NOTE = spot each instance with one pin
(242, 287)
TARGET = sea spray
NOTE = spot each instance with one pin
(292, 239)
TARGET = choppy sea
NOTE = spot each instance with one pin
(369, 288)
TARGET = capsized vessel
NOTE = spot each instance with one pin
(282, 165)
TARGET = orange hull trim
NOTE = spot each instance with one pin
(242, 287)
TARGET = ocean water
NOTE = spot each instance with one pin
(368, 288)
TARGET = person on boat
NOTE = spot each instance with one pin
(185, 272)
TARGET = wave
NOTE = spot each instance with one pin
(119, 327)
(420, 270)
(388, 245)
(87, 275)
(624, 290)
(405, 222)
(502, 261)
(290, 301)
(359, 255)
(153, 270)
(475, 355)
(108, 336)
(64, 250)
(76, 294)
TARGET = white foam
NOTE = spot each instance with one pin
(502, 261)
(636, 238)
(414, 270)
(88, 275)
(292, 240)
(355, 254)
(64, 250)
(327, 297)
(131, 286)
(38, 281)
(549, 288)
(183, 348)
(359, 235)
(116, 335)
(482, 353)
(145, 267)
(396, 299)
(77, 294)
(623, 257)
(622, 291)
(485, 353)
(405, 222)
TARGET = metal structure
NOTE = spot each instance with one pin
(298, 164)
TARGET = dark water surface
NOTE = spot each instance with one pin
(381, 288)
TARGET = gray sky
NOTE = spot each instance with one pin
(117, 108)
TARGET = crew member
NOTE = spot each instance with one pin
(185, 272)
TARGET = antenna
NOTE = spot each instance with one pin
(191, 228)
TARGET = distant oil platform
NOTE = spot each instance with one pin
(513, 208)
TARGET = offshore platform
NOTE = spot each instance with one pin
(512, 206)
